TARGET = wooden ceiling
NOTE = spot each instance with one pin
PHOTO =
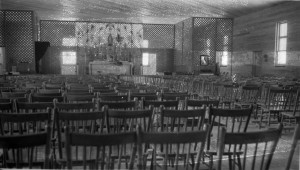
(137, 11)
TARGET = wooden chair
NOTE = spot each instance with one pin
(295, 140)
(235, 120)
(16, 123)
(132, 105)
(171, 147)
(173, 96)
(228, 95)
(33, 98)
(55, 86)
(24, 151)
(292, 115)
(48, 92)
(278, 101)
(146, 96)
(28, 107)
(171, 104)
(70, 98)
(101, 151)
(71, 107)
(113, 97)
(248, 96)
(22, 126)
(7, 105)
(80, 122)
(260, 145)
(182, 120)
(197, 104)
(94, 90)
(127, 120)
(12, 95)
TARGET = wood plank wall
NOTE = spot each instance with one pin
(254, 34)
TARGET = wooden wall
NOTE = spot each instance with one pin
(254, 41)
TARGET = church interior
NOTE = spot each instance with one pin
(150, 84)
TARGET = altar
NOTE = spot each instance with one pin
(107, 67)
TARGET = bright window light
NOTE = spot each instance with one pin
(281, 43)
(282, 57)
(69, 58)
(145, 43)
(145, 59)
(224, 59)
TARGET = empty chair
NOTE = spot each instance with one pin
(103, 91)
(250, 150)
(292, 114)
(132, 105)
(278, 101)
(6, 105)
(28, 107)
(127, 120)
(82, 106)
(101, 151)
(26, 151)
(56, 86)
(295, 140)
(79, 97)
(146, 96)
(196, 104)
(248, 96)
(89, 122)
(160, 148)
(235, 120)
(34, 98)
(24, 134)
(14, 95)
(171, 104)
(182, 120)
(48, 92)
(113, 97)
(173, 96)
(16, 123)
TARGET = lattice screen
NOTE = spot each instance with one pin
(58, 33)
(205, 38)
(224, 35)
(2, 43)
(137, 35)
(159, 36)
(62, 33)
(187, 41)
(19, 39)
(178, 43)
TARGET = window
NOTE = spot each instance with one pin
(145, 43)
(281, 42)
(224, 58)
(145, 59)
(69, 58)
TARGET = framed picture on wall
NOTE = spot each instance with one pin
(204, 60)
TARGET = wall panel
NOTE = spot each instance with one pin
(256, 32)
(19, 40)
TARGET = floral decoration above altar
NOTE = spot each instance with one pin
(108, 41)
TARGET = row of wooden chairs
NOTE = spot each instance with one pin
(160, 142)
